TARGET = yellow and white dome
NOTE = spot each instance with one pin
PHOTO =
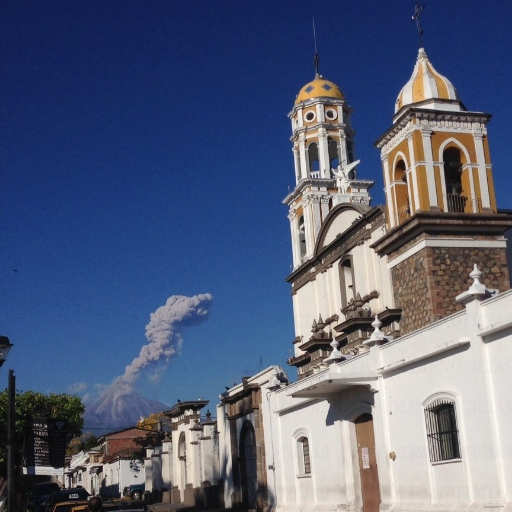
(319, 88)
(427, 85)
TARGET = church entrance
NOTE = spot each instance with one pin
(367, 463)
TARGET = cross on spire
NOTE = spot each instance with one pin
(418, 9)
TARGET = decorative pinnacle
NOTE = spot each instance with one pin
(377, 336)
(476, 274)
(335, 354)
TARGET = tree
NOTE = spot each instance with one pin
(84, 443)
(31, 403)
(157, 425)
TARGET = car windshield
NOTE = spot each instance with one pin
(45, 488)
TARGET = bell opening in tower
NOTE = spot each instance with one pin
(334, 160)
(455, 198)
(314, 162)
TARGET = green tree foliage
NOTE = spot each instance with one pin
(84, 443)
(31, 403)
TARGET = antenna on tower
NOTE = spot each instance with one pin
(417, 16)
(316, 62)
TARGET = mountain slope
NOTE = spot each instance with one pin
(114, 410)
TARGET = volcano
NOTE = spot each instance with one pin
(115, 410)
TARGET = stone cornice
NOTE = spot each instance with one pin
(442, 223)
(436, 119)
(311, 182)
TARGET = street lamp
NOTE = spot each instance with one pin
(5, 346)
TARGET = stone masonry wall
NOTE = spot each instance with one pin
(426, 284)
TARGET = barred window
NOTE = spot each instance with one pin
(304, 459)
(442, 432)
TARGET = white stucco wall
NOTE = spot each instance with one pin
(467, 356)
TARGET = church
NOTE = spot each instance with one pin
(403, 329)
(403, 325)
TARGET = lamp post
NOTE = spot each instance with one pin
(5, 346)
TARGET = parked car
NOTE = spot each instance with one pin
(134, 491)
(67, 495)
(68, 506)
(38, 492)
(117, 504)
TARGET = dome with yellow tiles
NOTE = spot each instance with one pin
(427, 85)
(319, 88)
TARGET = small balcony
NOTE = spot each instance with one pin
(459, 203)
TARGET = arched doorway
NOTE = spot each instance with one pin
(367, 463)
(248, 466)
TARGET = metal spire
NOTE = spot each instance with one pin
(317, 57)
(417, 16)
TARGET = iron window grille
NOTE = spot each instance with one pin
(442, 432)
(305, 455)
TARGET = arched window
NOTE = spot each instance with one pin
(303, 456)
(403, 205)
(442, 431)
(314, 163)
(302, 237)
(456, 200)
(334, 160)
(347, 290)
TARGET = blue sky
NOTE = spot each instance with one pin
(145, 153)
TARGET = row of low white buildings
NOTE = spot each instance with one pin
(403, 331)
(108, 468)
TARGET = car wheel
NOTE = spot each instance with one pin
(137, 495)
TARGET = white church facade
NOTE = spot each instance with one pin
(403, 322)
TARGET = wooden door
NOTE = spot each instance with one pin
(367, 463)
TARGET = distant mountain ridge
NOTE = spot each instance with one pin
(114, 411)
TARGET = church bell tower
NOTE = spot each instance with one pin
(440, 200)
(325, 174)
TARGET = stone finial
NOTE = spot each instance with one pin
(477, 288)
(377, 337)
(335, 354)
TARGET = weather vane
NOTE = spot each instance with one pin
(417, 16)
(316, 61)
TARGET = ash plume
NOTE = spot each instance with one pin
(115, 406)
(163, 332)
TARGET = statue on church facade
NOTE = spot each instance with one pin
(342, 176)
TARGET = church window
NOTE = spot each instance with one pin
(302, 237)
(331, 114)
(346, 281)
(442, 432)
(304, 456)
(327, 87)
(310, 116)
